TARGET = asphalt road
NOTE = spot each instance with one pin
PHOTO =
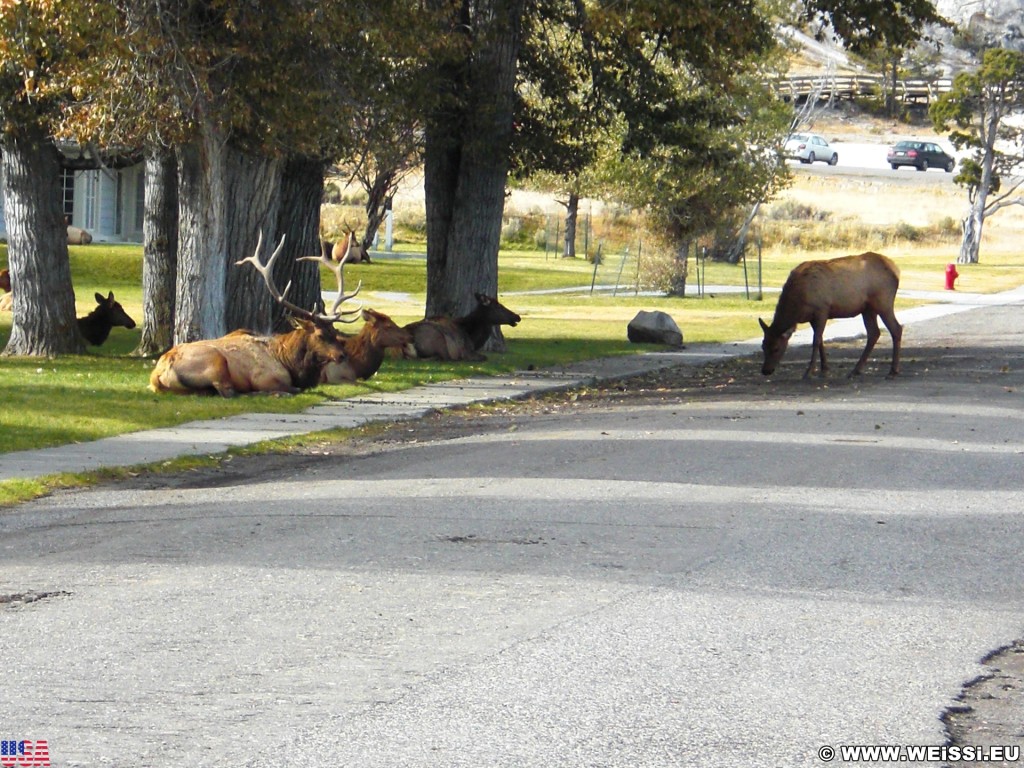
(701, 568)
(864, 160)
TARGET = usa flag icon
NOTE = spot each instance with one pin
(22, 753)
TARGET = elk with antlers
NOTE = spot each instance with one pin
(243, 362)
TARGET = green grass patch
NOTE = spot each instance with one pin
(50, 402)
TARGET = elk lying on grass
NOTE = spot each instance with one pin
(348, 249)
(78, 236)
(243, 362)
(365, 351)
(6, 301)
(95, 326)
(817, 291)
(460, 338)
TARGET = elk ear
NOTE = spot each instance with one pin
(99, 298)
(764, 327)
(110, 296)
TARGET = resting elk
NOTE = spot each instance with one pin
(349, 249)
(817, 291)
(242, 362)
(5, 285)
(95, 326)
(365, 351)
(460, 338)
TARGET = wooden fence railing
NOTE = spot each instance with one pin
(798, 88)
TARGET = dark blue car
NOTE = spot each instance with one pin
(922, 155)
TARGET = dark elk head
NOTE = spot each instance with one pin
(774, 346)
(495, 312)
(109, 313)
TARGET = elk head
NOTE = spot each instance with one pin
(774, 346)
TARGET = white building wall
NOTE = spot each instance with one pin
(109, 204)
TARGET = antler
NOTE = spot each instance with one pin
(337, 268)
(281, 297)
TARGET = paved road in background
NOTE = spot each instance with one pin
(720, 570)
(868, 160)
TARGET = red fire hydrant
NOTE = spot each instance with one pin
(951, 276)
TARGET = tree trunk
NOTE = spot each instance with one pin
(377, 198)
(202, 238)
(970, 246)
(679, 274)
(159, 253)
(466, 161)
(572, 213)
(889, 82)
(302, 190)
(44, 322)
(253, 186)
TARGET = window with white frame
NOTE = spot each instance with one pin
(90, 209)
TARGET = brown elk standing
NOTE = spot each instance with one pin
(95, 326)
(243, 362)
(460, 338)
(817, 291)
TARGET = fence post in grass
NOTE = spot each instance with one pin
(698, 258)
(746, 281)
(597, 263)
(636, 283)
(760, 290)
(618, 277)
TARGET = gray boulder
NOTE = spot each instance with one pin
(655, 327)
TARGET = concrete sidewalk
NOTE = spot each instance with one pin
(212, 437)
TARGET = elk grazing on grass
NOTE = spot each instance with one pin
(460, 338)
(817, 291)
(95, 326)
(242, 362)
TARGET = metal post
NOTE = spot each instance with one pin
(760, 290)
(618, 277)
(639, 250)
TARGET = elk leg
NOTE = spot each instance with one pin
(871, 326)
(896, 331)
(817, 347)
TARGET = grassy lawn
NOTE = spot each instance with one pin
(78, 398)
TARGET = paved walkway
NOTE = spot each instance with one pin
(212, 437)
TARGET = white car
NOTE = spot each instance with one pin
(808, 147)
